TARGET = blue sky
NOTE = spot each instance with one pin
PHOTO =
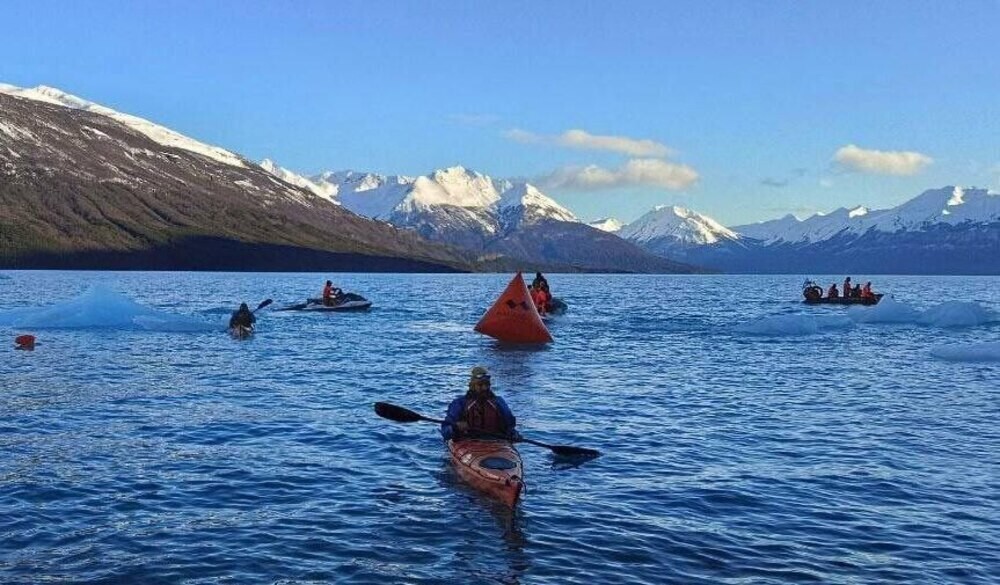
(744, 105)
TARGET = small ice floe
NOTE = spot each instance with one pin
(102, 308)
(948, 314)
(969, 352)
(888, 310)
(777, 325)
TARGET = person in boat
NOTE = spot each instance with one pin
(866, 292)
(242, 317)
(847, 287)
(856, 292)
(480, 413)
(811, 291)
(330, 293)
(832, 293)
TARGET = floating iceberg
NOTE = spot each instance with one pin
(777, 325)
(969, 352)
(957, 314)
(889, 310)
(101, 307)
(949, 314)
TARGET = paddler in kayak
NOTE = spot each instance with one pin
(242, 317)
(480, 413)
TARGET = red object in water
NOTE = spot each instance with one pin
(514, 318)
(25, 341)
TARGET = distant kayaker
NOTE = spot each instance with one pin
(242, 317)
(480, 413)
(330, 293)
(832, 293)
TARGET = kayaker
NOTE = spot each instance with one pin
(480, 413)
(330, 293)
(832, 292)
(242, 317)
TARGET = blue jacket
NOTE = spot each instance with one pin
(456, 408)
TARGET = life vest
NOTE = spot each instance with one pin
(483, 417)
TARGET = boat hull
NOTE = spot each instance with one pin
(491, 467)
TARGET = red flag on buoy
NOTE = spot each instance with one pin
(513, 318)
(25, 342)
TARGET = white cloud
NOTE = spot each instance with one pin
(582, 139)
(881, 162)
(648, 172)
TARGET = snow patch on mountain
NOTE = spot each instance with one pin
(607, 224)
(155, 132)
(325, 190)
(677, 223)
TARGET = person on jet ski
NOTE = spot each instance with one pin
(541, 299)
(540, 281)
(331, 294)
(242, 317)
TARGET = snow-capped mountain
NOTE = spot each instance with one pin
(947, 230)
(607, 224)
(324, 190)
(494, 218)
(84, 186)
(676, 223)
(155, 132)
(949, 205)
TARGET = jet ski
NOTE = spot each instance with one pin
(342, 302)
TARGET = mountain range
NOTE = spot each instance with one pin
(951, 230)
(83, 185)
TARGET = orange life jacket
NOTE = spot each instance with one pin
(483, 417)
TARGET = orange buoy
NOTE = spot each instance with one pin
(25, 342)
(513, 318)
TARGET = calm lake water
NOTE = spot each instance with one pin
(746, 438)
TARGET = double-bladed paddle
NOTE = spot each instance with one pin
(405, 415)
(262, 304)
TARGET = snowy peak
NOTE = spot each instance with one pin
(607, 224)
(676, 223)
(948, 205)
(325, 190)
(155, 132)
(529, 198)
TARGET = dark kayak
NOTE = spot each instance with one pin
(345, 302)
(241, 331)
(845, 301)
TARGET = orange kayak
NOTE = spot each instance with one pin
(492, 467)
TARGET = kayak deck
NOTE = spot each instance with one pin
(491, 467)
(241, 332)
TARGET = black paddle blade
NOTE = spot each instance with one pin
(396, 413)
(263, 304)
(568, 451)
